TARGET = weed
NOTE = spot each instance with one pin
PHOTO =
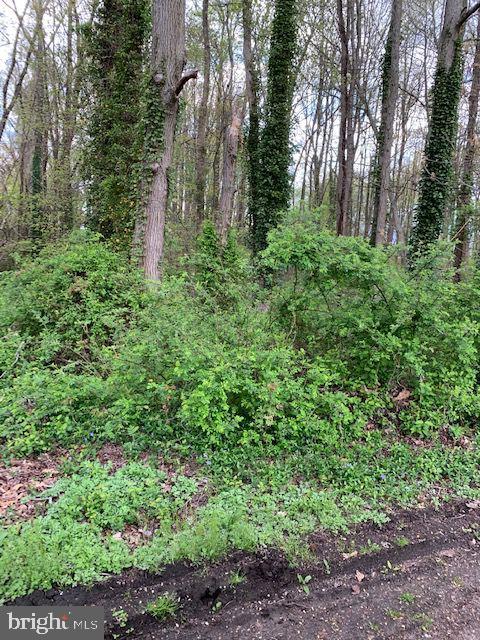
(369, 548)
(120, 617)
(394, 615)
(164, 607)
(424, 620)
(217, 605)
(236, 578)
(304, 582)
(401, 542)
(408, 598)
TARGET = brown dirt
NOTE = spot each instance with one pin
(20, 479)
(416, 577)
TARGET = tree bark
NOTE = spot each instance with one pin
(230, 152)
(391, 68)
(465, 191)
(166, 67)
(201, 155)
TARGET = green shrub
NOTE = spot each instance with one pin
(71, 301)
(42, 408)
(135, 494)
(381, 326)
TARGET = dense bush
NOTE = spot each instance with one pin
(70, 302)
(383, 327)
(211, 361)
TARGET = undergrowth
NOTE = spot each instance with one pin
(344, 388)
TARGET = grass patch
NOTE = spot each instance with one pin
(164, 607)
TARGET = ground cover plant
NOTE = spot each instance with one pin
(248, 416)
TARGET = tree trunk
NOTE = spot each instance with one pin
(274, 149)
(346, 133)
(166, 83)
(437, 177)
(465, 191)
(230, 152)
(201, 156)
(252, 88)
(390, 79)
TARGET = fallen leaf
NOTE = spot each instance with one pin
(402, 396)
(474, 504)
(356, 589)
(447, 553)
(359, 575)
(347, 556)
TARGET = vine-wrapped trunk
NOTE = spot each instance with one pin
(437, 179)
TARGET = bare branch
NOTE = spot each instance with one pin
(468, 14)
(188, 75)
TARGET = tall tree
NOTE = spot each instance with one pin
(346, 132)
(115, 50)
(201, 151)
(471, 150)
(274, 149)
(390, 78)
(167, 80)
(12, 85)
(436, 187)
(252, 90)
(230, 152)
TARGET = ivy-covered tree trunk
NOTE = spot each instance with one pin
(390, 76)
(115, 51)
(252, 89)
(36, 181)
(436, 187)
(274, 150)
(471, 150)
(166, 82)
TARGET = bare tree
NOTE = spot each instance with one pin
(201, 155)
(230, 151)
(386, 132)
(12, 84)
(168, 58)
(471, 147)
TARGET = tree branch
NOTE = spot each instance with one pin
(188, 75)
(468, 14)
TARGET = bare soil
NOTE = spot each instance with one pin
(416, 577)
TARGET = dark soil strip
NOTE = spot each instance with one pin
(416, 577)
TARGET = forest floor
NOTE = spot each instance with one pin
(417, 576)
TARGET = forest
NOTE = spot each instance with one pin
(240, 316)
